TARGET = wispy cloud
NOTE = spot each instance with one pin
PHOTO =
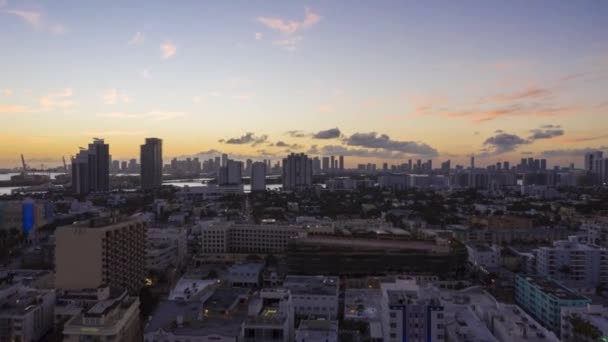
(138, 39)
(546, 132)
(168, 50)
(61, 99)
(37, 19)
(528, 93)
(12, 109)
(290, 29)
(113, 96)
(7, 92)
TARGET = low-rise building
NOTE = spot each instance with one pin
(584, 324)
(270, 317)
(112, 319)
(543, 299)
(484, 256)
(166, 247)
(317, 331)
(245, 274)
(314, 296)
(26, 314)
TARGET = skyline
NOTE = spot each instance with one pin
(378, 82)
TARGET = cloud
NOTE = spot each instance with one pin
(528, 93)
(297, 134)
(37, 19)
(546, 132)
(502, 143)
(168, 50)
(331, 133)
(212, 153)
(332, 150)
(113, 133)
(113, 96)
(575, 152)
(248, 138)
(383, 141)
(154, 115)
(145, 74)
(281, 143)
(61, 99)
(258, 36)
(137, 39)
(289, 28)
(7, 92)
(591, 138)
(518, 109)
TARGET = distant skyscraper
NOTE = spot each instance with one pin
(472, 161)
(248, 165)
(332, 163)
(341, 163)
(297, 172)
(384, 166)
(224, 159)
(543, 164)
(230, 174)
(590, 159)
(523, 164)
(258, 176)
(505, 165)
(316, 166)
(151, 156)
(409, 165)
(325, 163)
(91, 169)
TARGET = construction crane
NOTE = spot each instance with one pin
(24, 165)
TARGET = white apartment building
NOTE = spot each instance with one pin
(270, 317)
(584, 324)
(410, 312)
(575, 264)
(314, 296)
(228, 237)
(484, 256)
(26, 314)
(113, 319)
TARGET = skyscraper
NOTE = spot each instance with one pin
(590, 159)
(258, 176)
(341, 164)
(151, 156)
(230, 174)
(297, 172)
(332, 164)
(91, 169)
(325, 163)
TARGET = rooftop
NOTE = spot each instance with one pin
(314, 285)
(553, 288)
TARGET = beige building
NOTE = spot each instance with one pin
(115, 319)
(228, 237)
(103, 251)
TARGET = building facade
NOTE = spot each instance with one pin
(297, 172)
(151, 156)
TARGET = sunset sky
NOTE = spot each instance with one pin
(372, 80)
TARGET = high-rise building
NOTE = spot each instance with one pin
(590, 159)
(316, 166)
(102, 251)
(333, 162)
(224, 159)
(472, 161)
(341, 163)
(248, 165)
(258, 176)
(325, 163)
(91, 169)
(151, 156)
(297, 172)
(543, 164)
(505, 166)
(409, 165)
(231, 173)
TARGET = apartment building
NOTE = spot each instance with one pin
(228, 237)
(314, 296)
(103, 251)
(270, 317)
(26, 314)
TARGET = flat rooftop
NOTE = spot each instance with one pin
(554, 288)
(365, 243)
(313, 285)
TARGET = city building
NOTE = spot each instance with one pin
(151, 156)
(258, 176)
(230, 174)
(113, 319)
(543, 299)
(297, 172)
(484, 256)
(26, 314)
(23, 216)
(317, 331)
(270, 317)
(102, 251)
(574, 264)
(228, 237)
(325, 164)
(314, 296)
(91, 169)
(166, 247)
(584, 324)
(341, 163)
(411, 313)
(245, 274)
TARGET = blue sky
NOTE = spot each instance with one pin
(448, 75)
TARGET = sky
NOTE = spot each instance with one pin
(377, 81)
